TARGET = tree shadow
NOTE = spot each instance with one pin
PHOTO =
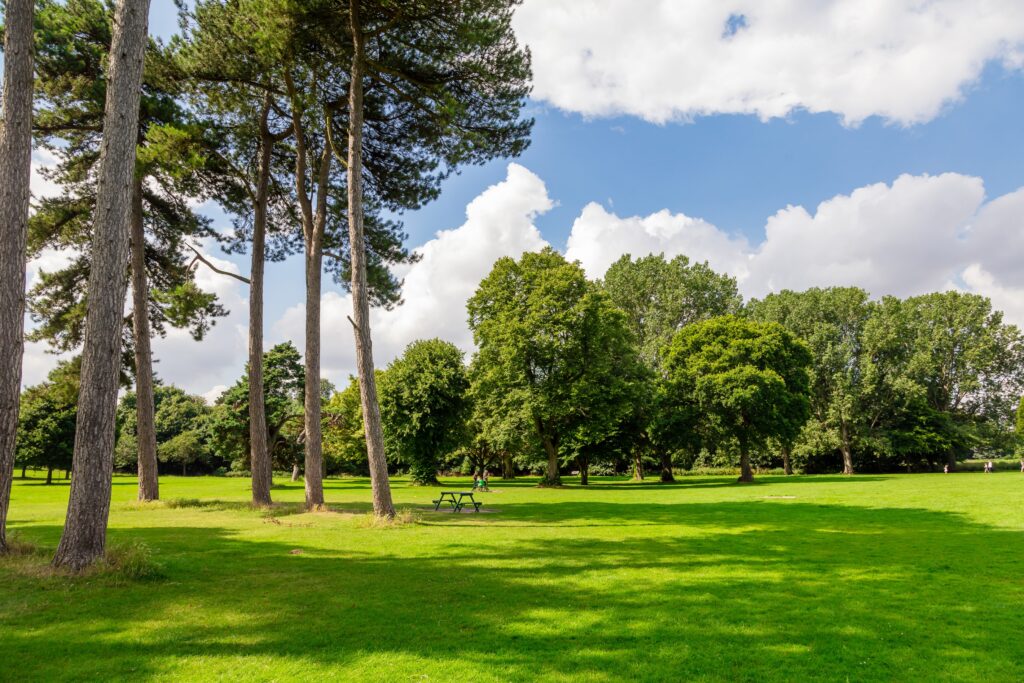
(754, 590)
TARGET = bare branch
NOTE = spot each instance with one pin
(200, 258)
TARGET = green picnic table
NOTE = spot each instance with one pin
(457, 500)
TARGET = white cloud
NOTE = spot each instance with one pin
(919, 234)
(599, 237)
(660, 60)
(499, 222)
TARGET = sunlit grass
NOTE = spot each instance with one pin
(917, 577)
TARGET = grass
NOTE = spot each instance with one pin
(908, 577)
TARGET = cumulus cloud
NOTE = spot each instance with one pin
(900, 59)
(919, 234)
(499, 222)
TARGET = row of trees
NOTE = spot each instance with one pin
(313, 123)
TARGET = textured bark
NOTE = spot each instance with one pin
(15, 173)
(746, 473)
(667, 476)
(508, 470)
(382, 504)
(295, 472)
(584, 464)
(314, 223)
(786, 464)
(85, 529)
(844, 447)
(149, 483)
(259, 453)
(552, 477)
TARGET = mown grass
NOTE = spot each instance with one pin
(906, 577)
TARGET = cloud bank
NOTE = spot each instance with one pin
(899, 59)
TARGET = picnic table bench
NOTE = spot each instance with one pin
(457, 500)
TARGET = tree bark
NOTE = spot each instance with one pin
(667, 476)
(49, 476)
(951, 459)
(85, 529)
(844, 447)
(15, 176)
(638, 466)
(746, 473)
(786, 464)
(145, 408)
(552, 477)
(584, 464)
(508, 470)
(259, 452)
(382, 504)
(314, 224)
(295, 472)
(24, 470)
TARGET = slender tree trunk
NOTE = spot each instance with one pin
(295, 472)
(85, 529)
(15, 176)
(786, 464)
(845, 448)
(149, 483)
(67, 474)
(508, 470)
(24, 471)
(584, 464)
(667, 476)
(951, 459)
(311, 414)
(259, 452)
(746, 473)
(382, 505)
(49, 476)
(184, 468)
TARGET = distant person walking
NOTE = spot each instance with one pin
(988, 467)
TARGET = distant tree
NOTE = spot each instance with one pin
(831, 322)
(1020, 426)
(46, 428)
(344, 436)
(549, 346)
(748, 381)
(282, 390)
(15, 179)
(659, 297)
(185, 448)
(176, 412)
(424, 406)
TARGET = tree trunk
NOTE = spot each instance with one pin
(551, 476)
(638, 465)
(951, 459)
(259, 452)
(746, 474)
(49, 476)
(844, 447)
(24, 471)
(295, 472)
(85, 529)
(382, 505)
(314, 440)
(149, 483)
(508, 470)
(667, 476)
(584, 464)
(67, 474)
(15, 176)
(786, 464)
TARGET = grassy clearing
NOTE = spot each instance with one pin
(916, 577)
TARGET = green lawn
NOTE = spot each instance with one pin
(909, 577)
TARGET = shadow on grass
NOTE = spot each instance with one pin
(758, 590)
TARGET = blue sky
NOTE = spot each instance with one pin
(691, 131)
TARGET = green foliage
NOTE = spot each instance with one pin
(660, 297)
(344, 432)
(46, 422)
(553, 351)
(739, 380)
(179, 416)
(424, 406)
(283, 386)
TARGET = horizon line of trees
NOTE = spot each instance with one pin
(659, 365)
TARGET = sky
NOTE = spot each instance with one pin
(790, 143)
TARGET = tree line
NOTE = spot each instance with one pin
(658, 366)
(314, 124)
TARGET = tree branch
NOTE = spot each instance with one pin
(200, 258)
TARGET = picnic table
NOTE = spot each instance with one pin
(457, 500)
